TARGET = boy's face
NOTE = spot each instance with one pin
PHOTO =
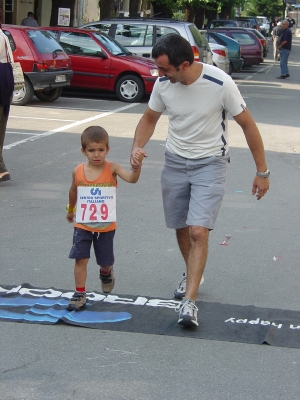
(96, 152)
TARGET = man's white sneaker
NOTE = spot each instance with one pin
(187, 313)
(179, 292)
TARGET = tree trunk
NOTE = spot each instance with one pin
(134, 8)
(190, 12)
(225, 12)
(199, 17)
(106, 8)
(211, 11)
(161, 11)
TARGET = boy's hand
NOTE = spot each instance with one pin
(70, 217)
(137, 156)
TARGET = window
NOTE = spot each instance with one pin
(43, 41)
(243, 38)
(79, 44)
(11, 41)
(99, 27)
(134, 35)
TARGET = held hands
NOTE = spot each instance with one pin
(137, 156)
(260, 187)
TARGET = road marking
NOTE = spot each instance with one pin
(64, 128)
(47, 119)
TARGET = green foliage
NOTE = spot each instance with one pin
(267, 8)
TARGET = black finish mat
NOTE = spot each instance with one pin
(140, 314)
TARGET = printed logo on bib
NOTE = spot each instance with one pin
(96, 204)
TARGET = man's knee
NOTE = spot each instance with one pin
(198, 234)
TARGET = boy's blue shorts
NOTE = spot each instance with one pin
(103, 243)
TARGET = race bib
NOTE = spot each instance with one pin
(96, 204)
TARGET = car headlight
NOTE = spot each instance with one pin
(154, 72)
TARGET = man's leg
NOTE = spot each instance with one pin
(193, 244)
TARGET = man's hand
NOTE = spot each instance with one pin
(137, 156)
(260, 186)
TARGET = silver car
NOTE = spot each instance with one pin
(140, 35)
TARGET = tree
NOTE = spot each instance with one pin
(106, 8)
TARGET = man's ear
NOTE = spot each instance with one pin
(83, 151)
(108, 148)
(185, 65)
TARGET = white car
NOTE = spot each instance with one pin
(220, 56)
(264, 25)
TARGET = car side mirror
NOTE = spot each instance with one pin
(102, 55)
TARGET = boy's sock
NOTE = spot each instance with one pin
(80, 289)
(104, 272)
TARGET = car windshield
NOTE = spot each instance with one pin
(112, 45)
(261, 20)
(44, 42)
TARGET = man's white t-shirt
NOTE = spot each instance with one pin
(198, 113)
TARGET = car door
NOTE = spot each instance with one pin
(90, 63)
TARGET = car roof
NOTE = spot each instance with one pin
(20, 27)
(236, 28)
(68, 28)
(154, 20)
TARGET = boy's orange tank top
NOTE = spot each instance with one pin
(104, 179)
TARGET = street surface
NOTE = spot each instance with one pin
(42, 147)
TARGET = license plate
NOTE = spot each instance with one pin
(60, 78)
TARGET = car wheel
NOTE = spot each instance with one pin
(48, 94)
(23, 96)
(130, 88)
(230, 69)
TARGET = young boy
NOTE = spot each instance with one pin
(92, 196)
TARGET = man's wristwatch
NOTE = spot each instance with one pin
(263, 174)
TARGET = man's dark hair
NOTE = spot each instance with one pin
(94, 134)
(30, 14)
(175, 47)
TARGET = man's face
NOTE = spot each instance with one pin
(168, 70)
(285, 25)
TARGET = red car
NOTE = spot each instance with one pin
(101, 63)
(251, 48)
(45, 65)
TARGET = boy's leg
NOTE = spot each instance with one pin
(81, 253)
(80, 273)
(104, 252)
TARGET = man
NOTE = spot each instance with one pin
(197, 98)
(284, 48)
(29, 21)
(290, 20)
(276, 34)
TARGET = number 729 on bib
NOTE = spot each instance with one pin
(96, 204)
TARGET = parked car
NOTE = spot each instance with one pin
(262, 40)
(140, 35)
(264, 25)
(216, 23)
(233, 49)
(251, 20)
(101, 63)
(251, 48)
(46, 67)
(220, 57)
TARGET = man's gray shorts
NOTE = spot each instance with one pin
(193, 190)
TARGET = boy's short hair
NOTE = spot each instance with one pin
(94, 134)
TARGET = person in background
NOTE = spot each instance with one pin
(273, 24)
(29, 21)
(290, 20)
(285, 47)
(276, 34)
(6, 92)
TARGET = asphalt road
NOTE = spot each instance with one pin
(61, 362)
